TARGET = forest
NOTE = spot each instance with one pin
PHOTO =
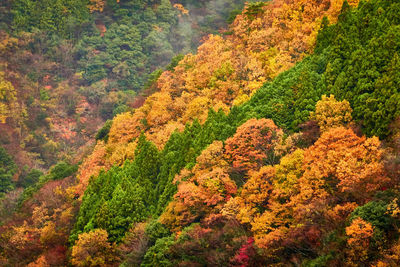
(200, 133)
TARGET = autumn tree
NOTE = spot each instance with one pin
(198, 197)
(22, 243)
(91, 166)
(288, 173)
(331, 113)
(40, 262)
(93, 249)
(350, 165)
(134, 245)
(202, 191)
(254, 196)
(253, 144)
(360, 233)
(97, 5)
(122, 130)
(264, 201)
(8, 98)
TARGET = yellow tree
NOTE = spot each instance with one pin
(125, 127)
(93, 249)
(331, 113)
(264, 201)
(8, 97)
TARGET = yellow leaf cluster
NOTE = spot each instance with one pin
(92, 249)
(97, 5)
(330, 113)
(8, 97)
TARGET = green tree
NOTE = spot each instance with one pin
(7, 170)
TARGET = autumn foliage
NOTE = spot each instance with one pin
(258, 150)
(253, 144)
(201, 192)
(92, 249)
(227, 71)
(331, 113)
(342, 160)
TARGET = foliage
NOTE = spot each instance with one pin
(92, 249)
(374, 212)
(54, 56)
(30, 178)
(122, 196)
(208, 170)
(253, 144)
(102, 134)
(157, 255)
(7, 170)
(330, 113)
(340, 171)
(343, 160)
(58, 172)
(359, 233)
(7, 98)
(49, 15)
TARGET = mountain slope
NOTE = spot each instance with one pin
(301, 171)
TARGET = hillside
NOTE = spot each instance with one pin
(277, 143)
(67, 68)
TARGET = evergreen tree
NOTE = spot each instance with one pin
(7, 170)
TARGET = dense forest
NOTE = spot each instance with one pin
(200, 133)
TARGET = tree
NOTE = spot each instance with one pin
(123, 128)
(134, 245)
(8, 97)
(97, 5)
(198, 197)
(341, 161)
(91, 166)
(264, 201)
(126, 207)
(376, 213)
(40, 262)
(93, 249)
(7, 170)
(287, 176)
(254, 197)
(201, 191)
(48, 15)
(331, 113)
(359, 233)
(253, 145)
(157, 255)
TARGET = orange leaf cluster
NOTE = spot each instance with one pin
(202, 191)
(343, 162)
(360, 233)
(253, 144)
